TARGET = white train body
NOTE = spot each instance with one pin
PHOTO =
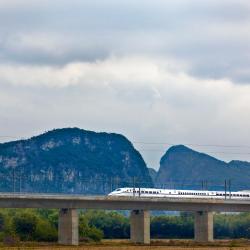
(173, 193)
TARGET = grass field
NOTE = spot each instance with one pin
(126, 245)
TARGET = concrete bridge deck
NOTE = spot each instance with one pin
(140, 207)
(121, 203)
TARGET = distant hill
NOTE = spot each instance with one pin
(152, 173)
(183, 167)
(71, 160)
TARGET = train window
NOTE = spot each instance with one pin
(142, 192)
(150, 192)
(154, 192)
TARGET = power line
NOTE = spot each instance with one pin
(174, 144)
(192, 144)
(210, 152)
(8, 136)
(167, 143)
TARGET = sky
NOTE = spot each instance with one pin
(159, 72)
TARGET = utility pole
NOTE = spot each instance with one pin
(111, 184)
(13, 179)
(229, 188)
(133, 186)
(225, 184)
(20, 182)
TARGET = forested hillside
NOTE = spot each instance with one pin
(183, 167)
(71, 160)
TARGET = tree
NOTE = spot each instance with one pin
(24, 225)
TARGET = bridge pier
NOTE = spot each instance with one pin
(68, 227)
(203, 226)
(140, 226)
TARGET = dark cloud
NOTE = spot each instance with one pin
(211, 36)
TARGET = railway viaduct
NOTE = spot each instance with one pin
(139, 207)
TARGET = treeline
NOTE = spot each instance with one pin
(41, 225)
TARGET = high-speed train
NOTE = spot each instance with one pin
(172, 193)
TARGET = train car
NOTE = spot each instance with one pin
(173, 193)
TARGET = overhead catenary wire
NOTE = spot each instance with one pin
(192, 144)
(164, 143)
(208, 152)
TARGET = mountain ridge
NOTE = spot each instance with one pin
(188, 166)
(74, 156)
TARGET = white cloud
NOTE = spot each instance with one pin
(152, 70)
(144, 98)
(112, 71)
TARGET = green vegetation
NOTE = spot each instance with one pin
(185, 168)
(71, 160)
(41, 225)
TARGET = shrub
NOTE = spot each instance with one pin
(24, 225)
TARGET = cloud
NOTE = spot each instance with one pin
(211, 37)
(147, 99)
(161, 70)
(128, 71)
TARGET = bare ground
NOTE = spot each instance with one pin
(126, 245)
